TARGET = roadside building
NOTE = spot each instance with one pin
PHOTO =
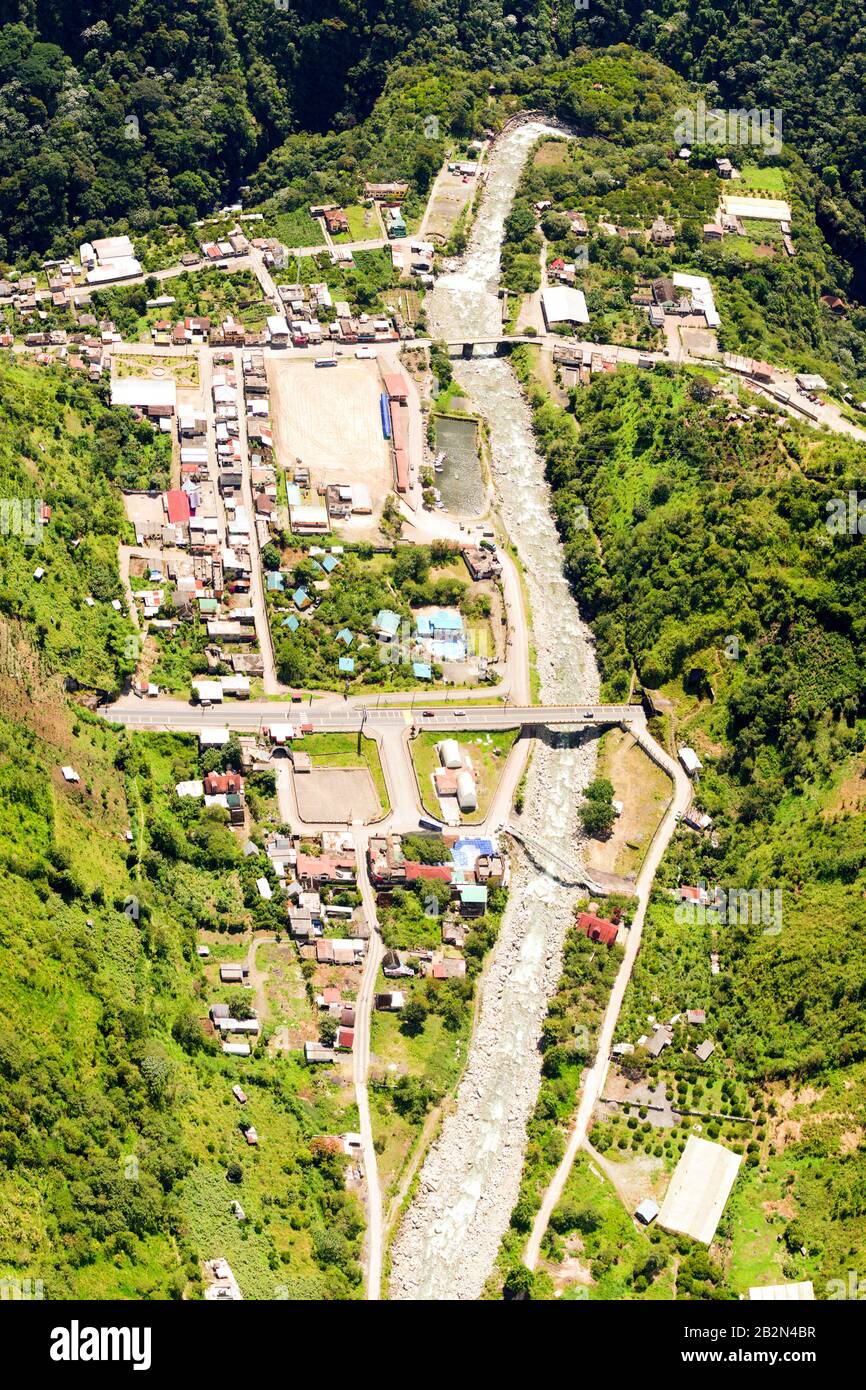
(597, 928)
(563, 304)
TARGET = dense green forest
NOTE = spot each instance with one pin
(210, 90)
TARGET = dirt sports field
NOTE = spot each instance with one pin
(328, 417)
(333, 795)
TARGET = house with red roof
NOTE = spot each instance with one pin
(177, 507)
(223, 784)
(597, 928)
(443, 872)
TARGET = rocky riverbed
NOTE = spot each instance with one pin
(449, 1237)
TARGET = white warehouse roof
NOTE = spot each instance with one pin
(563, 304)
(124, 268)
(143, 391)
(701, 294)
(699, 1189)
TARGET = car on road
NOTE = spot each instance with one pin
(428, 713)
(459, 713)
(589, 714)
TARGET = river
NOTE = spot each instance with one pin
(450, 1235)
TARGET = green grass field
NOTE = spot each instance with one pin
(767, 180)
(488, 752)
(298, 228)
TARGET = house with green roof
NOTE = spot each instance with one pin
(473, 899)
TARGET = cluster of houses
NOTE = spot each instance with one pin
(225, 789)
(311, 316)
(439, 635)
(235, 244)
(22, 295)
(589, 362)
(208, 549)
(662, 1036)
(80, 351)
(473, 868)
(260, 445)
(681, 295)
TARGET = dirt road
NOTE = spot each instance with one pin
(594, 1076)
(361, 1067)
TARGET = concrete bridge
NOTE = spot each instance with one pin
(250, 717)
(501, 346)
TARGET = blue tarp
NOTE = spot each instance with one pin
(385, 412)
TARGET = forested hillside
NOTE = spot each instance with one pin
(709, 568)
(63, 456)
(216, 87)
(695, 523)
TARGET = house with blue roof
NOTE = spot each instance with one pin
(301, 598)
(344, 635)
(442, 635)
(442, 624)
(330, 563)
(347, 664)
(422, 670)
(291, 622)
(275, 582)
(386, 623)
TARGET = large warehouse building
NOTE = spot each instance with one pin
(699, 1189)
(562, 304)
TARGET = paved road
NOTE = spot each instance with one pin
(593, 1078)
(257, 587)
(137, 713)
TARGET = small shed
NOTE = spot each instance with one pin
(647, 1211)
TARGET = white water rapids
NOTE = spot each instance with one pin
(449, 1237)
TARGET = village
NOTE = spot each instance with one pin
(298, 567)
